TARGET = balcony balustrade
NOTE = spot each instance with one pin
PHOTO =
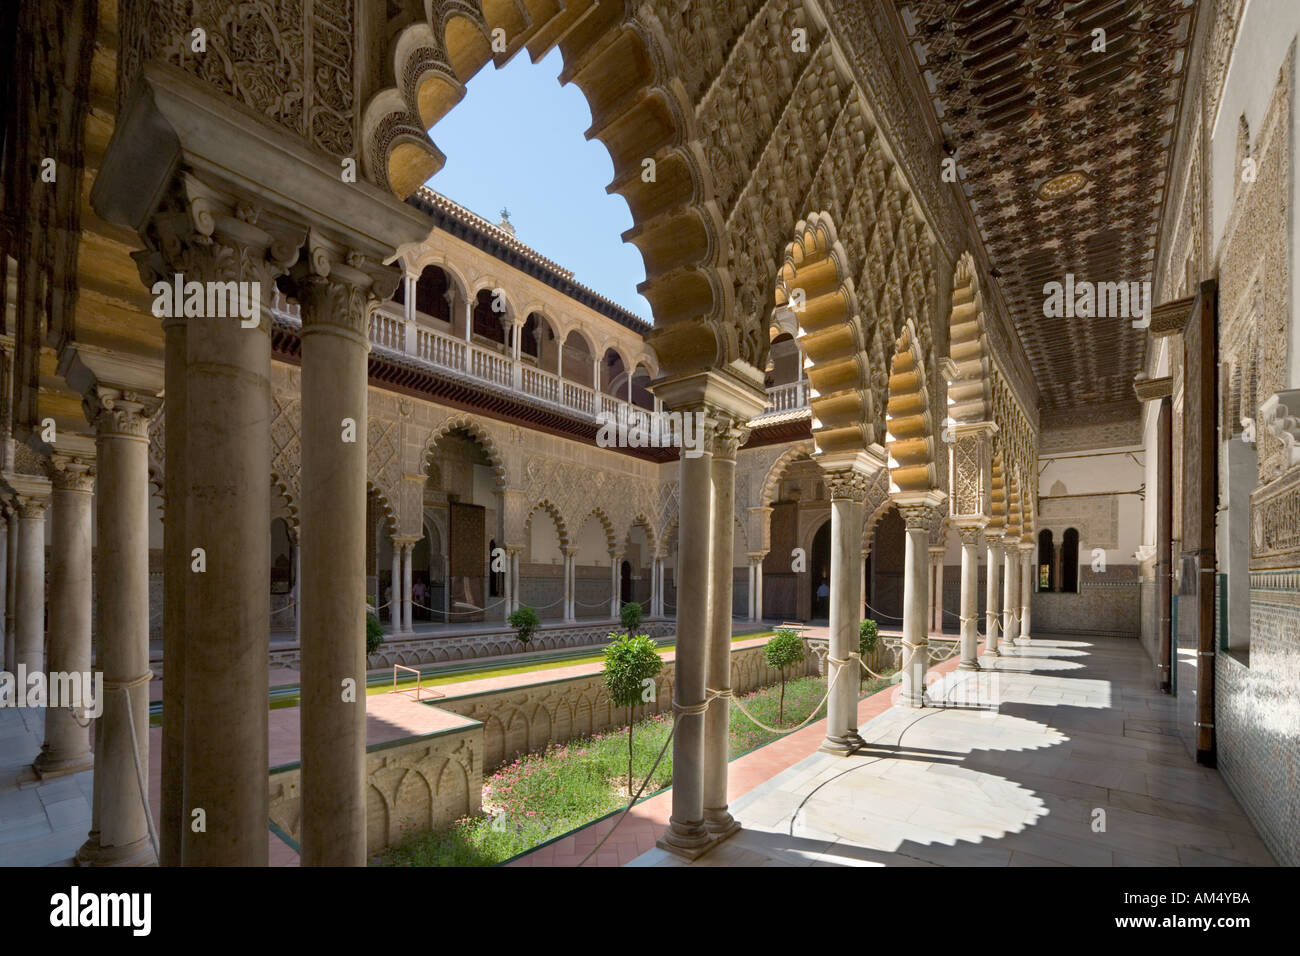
(392, 332)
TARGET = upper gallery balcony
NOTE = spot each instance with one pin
(515, 366)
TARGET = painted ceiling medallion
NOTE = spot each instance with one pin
(1064, 185)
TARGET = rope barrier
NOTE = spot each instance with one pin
(881, 613)
(627, 809)
(783, 730)
(139, 773)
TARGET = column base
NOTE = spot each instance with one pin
(969, 666)
(47, 768)
(139, 853)
(689, 841)
(840, 746)
(720, 824)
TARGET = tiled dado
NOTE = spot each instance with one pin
(1257, 714)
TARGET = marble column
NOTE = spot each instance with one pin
(991, 613)
(686, 833)
(29, 599)
(758, 589)
(67, 739)
(1010, 594)
(395, 590)
(970, 577)
(916, 646)
(122, 830)
(937, 556)
(514, 577)
(726, 440)
(847, 490)
(227, 602)
(11, 586)
(570, 584)
(6, 638)
(408, 554)
(508, 595)
(654, 585)
(749, 593)
(1026, 588)
(332, 521)
(613, 585)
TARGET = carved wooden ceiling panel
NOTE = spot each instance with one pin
(1062, 149)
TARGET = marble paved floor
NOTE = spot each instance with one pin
(1062, 754)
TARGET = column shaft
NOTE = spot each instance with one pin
(395, 591)
(176, 572)
(333, 591)
(991, 612)
(227, 605)
(67, 741)
(970, 577)
(11, 589)
(1026, 592)
(686, 832)
(1010, 596)
(916, 648)
(408, 555)
(122, 634)
(842, 678)
(938, 593)
(717, 818)
(6, 638)
(29, 601)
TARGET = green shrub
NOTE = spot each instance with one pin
(630, 613)
(868, 634)
(374, 633)
(525, 622)
(783, 650)
(629, 663)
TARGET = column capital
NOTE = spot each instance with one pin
(71, 473)
(726, 434)
(336, 287)
(919, 509)
(994, 543)
(970, 534)
(206, 235)
(937, 551)
(756, 557)
(848, 486)
(117, 413)
(1027, 547)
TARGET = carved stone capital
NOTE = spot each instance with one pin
(848, 486)
(31, 506)
(201, 235)
(726, 433)
(336, 287)
(970, 534)
(118, 413)
(917, 517)
(70, 473)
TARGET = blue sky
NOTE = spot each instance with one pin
(553, 185)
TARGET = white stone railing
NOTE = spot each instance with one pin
(391, 331)
(786, 398)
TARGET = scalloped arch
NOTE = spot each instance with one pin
(830, 333)
(910, 439)
(479, 434)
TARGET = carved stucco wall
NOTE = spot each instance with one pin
(413, 784)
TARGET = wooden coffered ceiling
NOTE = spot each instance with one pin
(1023, 100)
